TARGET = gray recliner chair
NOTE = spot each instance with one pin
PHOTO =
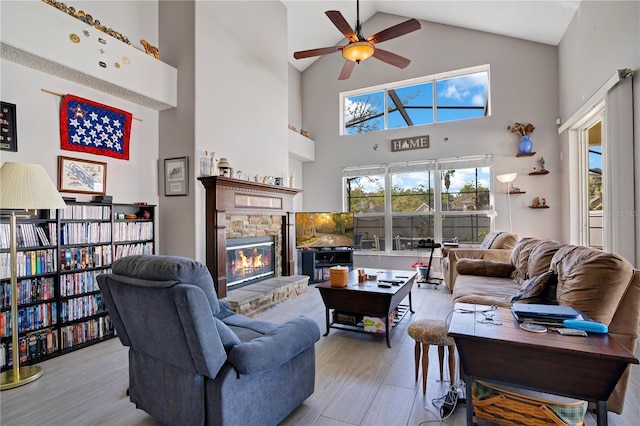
(192, 361)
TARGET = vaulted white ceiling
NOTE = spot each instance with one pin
(543, 21)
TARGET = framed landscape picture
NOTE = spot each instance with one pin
(81, 176)
(176, 176)
(8, 136)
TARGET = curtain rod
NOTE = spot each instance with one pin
(595, 98)
(61, 95)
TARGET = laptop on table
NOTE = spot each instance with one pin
(543, 314)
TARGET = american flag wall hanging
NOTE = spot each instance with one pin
(88, 126)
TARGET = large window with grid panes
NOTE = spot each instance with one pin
(397, 205)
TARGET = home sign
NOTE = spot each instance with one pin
(407, 144)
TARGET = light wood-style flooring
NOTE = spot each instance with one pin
(359, 381)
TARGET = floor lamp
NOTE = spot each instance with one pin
(508, 178)
(23, 188)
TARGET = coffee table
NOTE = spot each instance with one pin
(367, 298)
(586, 368)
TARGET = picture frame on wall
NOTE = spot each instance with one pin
(176, 176)
(8, 129)
(81, 176)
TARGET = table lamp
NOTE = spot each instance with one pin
(23, 187)
(507, 179)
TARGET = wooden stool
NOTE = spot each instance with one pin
(427, 332)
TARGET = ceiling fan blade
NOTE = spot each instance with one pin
(316, 52)
(341, 24)
(391, 58)
(346, 70)
(395, 31)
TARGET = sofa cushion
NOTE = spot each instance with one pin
(169, 268)
(591, 280)
(540, 257)
(486, 268)
(533, 289)
(531, 257)
(227, 336)
(484, 290)
(499, 240)
(248, 328)
(520, 258)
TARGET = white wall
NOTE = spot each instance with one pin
(177, 129)
(233, 97)
(38, 113)
(603, 37)
(524, 88)
(295, 97)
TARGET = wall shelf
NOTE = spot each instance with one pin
(539, 172)
(525, 154)
(70, 49)
(538, 207)
(517, 192)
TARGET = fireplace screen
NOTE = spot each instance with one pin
(249, 259)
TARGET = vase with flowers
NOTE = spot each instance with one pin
(523, 130)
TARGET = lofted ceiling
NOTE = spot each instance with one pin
(542, 21)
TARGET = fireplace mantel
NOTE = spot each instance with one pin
(227, 196)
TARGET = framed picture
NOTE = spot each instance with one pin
(8, 133)
(176, 176)
(81, 176)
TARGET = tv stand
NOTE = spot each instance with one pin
(316, 263)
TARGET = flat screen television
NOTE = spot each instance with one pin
(318, 230)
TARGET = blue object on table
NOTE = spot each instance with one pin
(589, 326)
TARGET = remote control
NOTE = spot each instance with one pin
(590, 326)
(390, 281)
(384, 285)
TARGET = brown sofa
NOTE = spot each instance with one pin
(496, 246)
(603, 285)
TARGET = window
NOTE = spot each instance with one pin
(410, 105)
(456, 95)
(404, 203)
(462, 97)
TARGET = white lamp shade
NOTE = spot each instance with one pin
(27, 186)
(506, 178)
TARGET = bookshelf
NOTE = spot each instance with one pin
(60, 254)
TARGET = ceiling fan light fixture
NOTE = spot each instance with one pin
(358, 51)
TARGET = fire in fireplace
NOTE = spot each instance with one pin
(250, 260)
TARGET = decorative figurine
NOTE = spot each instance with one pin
(544, 202)
(541, 162)
(149, 49)
(536, 202)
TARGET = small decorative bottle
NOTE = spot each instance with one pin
(214, 165)
(205, 165)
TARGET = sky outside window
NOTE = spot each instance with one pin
(456, 98)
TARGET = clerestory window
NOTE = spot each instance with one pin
(455, 95)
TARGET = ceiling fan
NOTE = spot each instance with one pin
(359, 48)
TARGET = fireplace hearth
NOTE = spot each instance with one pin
(249, 260)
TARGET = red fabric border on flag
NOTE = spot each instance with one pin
(66, 144)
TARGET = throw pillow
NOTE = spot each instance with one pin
(533, 289)
(488, 239)
(485, 268)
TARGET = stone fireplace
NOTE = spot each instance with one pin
(239, 209)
